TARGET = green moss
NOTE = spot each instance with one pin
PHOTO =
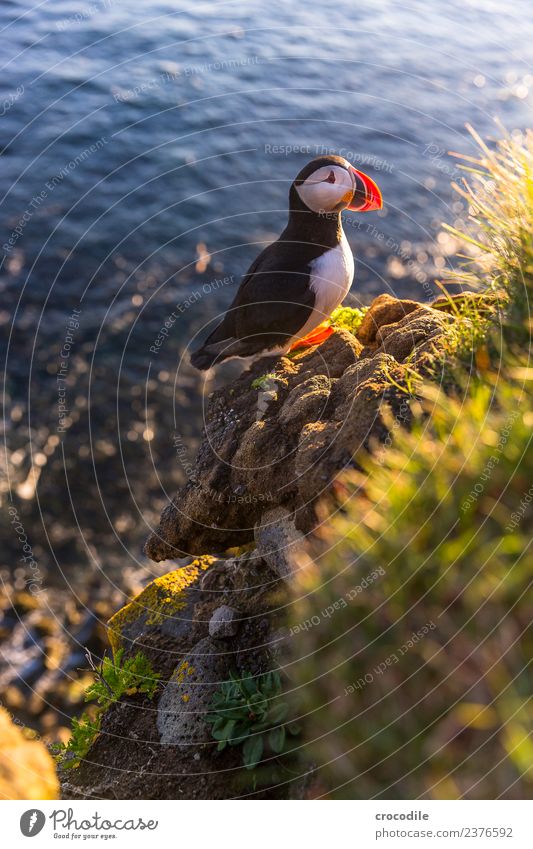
(348, 318)
(260, 382)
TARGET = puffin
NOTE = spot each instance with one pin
(295, 283)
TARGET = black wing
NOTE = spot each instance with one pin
(274, 300)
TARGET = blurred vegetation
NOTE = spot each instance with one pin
(416, 679)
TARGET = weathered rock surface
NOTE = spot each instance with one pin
(279, 542)
(164, 609)
(281, 445)
(27, 770)
(223, 623)
(196, 625)
(186, 698)
(271, 448)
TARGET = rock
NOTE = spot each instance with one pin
(27, 771)
(306, 402)
(274, 444)
(383, 311)
(165, 606)
(186, 698)
(371, 373)
(223, 623)
(332, 358)
(403, 338)
(162, 748)
(279, 442)
(279, 543)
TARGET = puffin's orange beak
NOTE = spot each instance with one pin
(367, 196)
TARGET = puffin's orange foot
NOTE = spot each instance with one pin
(316, 337)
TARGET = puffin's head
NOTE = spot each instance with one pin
(331, 184)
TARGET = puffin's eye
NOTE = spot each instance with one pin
(331, 177)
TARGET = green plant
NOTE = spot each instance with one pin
(84, 731)
(260, 382)
(499, 192)
(248, 711)
(349, 318)
(113, 679)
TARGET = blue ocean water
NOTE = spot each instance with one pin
(146, 155)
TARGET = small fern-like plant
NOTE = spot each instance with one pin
(84, 731)
(112, 680)
(248, 712)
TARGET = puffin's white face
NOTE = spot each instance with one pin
(328, 189)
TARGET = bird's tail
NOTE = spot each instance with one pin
(211, 355)
(203, 359)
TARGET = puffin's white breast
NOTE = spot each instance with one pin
(330, 280)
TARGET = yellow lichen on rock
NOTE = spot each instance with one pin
(183, 669)
(162, 598)
(27, 770)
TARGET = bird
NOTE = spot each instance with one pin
(296, 282)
